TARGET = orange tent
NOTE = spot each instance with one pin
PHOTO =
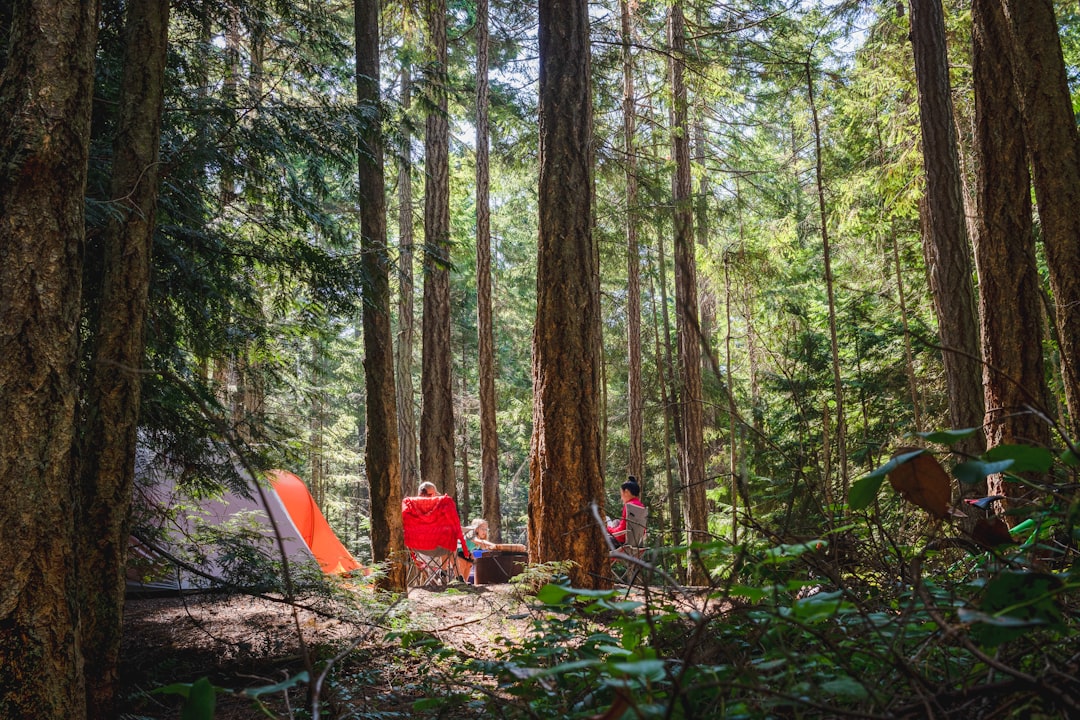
(310, 522)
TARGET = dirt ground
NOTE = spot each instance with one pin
(240, 642)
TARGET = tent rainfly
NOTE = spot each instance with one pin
(229, 540)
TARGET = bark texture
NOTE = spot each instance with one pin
(437, 411)
(381, 446)
(635, 401)
(406, 412)
(1009, 301)
(45, 96)
(566, 458)
(111, 410)
(946, 245)
(1052, 140)
(489, 432)
(687, 323)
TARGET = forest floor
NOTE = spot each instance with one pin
(239, 641)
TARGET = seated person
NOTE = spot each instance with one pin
(629, 492)
(427, 489)
(476, 536)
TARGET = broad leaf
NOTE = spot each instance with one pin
(1025, 457)
(922, 481)
(976, 471)
(863, 491)
(948, 437)
(991, 532)
(200, 702)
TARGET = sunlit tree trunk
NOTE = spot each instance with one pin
(946, 246)
(45, 100)
(688, 326)
(437, 411)
(381, 445)
(406, 297)
(489, 432)
(635, 403)
(111, 412)
(1009, 304)
(1054, 145)
(566, 459)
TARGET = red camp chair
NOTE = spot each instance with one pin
(432, 536)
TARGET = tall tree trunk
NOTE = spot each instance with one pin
(664, 364)
(491, 509)
(946, 246)
(687, 325)
(830, 289)
(45, 97)
(1050, 130)
(635, 402)
(566, 458)
(381, 447)
(406, 297)
(437, 412)
(109, 426)
(1005, 253)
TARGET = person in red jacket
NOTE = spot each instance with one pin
(629, 491)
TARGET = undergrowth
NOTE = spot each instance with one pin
(950, 621)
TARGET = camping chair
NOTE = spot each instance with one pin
(432, 536)
(624, 571)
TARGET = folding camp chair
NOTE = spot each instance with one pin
(623, 567)
(432, 536)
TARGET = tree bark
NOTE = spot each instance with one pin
(946, 246)
(1009, 303)
(437, 412)
(406, 414)
(566, 458)
(381, 447)
(489, 432)
(111, 411)
(635, 402)
(1052, 140)
(45, 99)
(687, 325)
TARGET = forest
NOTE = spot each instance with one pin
(807, 269)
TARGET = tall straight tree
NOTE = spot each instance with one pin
(437, 412)
(406, 290)
(108, 428)
(830, 290)
(45, 94)
(381, 446)
(1052, 140)
(636, 418)
(489, 433)
(566, 459)
(946, 245)
(1009, 301)
(687, 324)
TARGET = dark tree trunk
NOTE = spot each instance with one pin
(110, 422)
(437, 412)
(946, 245)
(566, 459)
(1052, 140)
(489, 434)
(1005, 252)
(45, 96)
(381, 447)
